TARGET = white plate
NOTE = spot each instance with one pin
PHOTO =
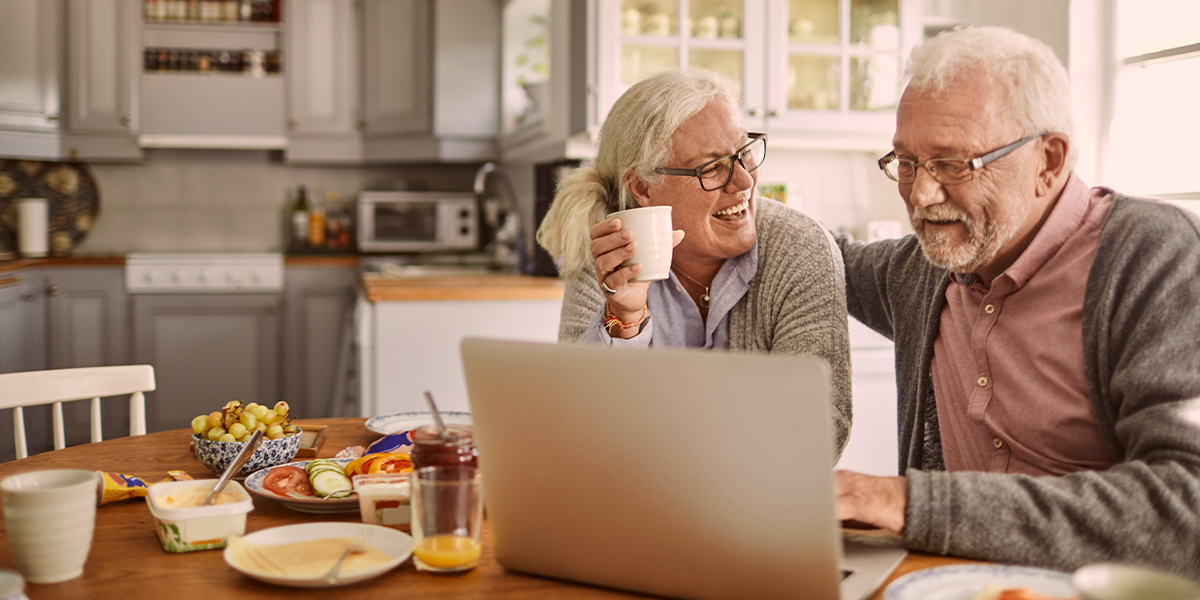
(404, 421)
(349, 504)
(960, 582)
(1109, 581)
(396, 544)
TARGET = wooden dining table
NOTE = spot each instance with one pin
(127, 560)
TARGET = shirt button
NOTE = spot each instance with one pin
(989, 309)
(998, 443)
(982, 382)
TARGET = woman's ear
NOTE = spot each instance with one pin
(639, 190)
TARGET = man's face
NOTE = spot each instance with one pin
(982, 224)
(718, 224)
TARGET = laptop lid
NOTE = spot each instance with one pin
(690, 474)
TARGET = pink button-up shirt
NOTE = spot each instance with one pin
(1008, 361)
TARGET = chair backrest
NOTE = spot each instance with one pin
(55, 386)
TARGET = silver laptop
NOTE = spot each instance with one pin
(677, 473)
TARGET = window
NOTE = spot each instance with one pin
(1155, 125)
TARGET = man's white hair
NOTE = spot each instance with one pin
(635, 136)
(1035, 82)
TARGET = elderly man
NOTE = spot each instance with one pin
(1047, 335)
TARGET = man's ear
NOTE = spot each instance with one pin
(1055, 147)
(639, 190)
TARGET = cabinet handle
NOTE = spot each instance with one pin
(52, 118)
(752, 112)
(773, 113)
(53, 290)
(291, 123)
(362, 124)
(125, 121)
(27, 297)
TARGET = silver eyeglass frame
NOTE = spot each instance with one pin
(973, 164)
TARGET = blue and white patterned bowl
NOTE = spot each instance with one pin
(217, 455)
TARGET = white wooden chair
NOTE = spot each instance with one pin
(55, 386)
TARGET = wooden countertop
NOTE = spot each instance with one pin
(463, 287)
(83, 260)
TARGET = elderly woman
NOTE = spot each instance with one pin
(749, 274)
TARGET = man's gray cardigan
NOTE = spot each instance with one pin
(1141, 353)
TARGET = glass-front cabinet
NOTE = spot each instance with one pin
(822, 72)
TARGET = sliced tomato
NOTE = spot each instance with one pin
(282, 480)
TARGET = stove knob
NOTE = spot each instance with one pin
(234, 278)
(150, 277)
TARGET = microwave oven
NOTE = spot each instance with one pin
(417, 222)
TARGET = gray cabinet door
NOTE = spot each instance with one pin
(23, 348)
(206, 350)
(87, 327)
(322, 76)
(103, 61)
(397, 62)
(315, 301)
(30, 36)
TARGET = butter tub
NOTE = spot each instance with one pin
(198, 528)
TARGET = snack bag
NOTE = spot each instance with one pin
(114, 487)
(392, 442)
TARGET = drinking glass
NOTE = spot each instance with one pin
(447, 518)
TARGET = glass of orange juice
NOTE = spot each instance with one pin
(447, 518)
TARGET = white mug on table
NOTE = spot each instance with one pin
(49, 517)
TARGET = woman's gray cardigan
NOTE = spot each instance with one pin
(1141, 353)
(795, 304)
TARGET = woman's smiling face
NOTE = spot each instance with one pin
(717, 224)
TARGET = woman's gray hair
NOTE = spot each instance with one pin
(636, 136)
(1035, 81)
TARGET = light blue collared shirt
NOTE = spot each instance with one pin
(674, 319)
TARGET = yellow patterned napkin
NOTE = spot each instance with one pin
(303, 560)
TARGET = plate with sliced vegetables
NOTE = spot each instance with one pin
(319, 486)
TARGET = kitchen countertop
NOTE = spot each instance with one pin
(83, 260)
(379, 288)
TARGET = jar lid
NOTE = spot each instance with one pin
(456, 435)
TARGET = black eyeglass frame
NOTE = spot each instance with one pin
(698, 172)
(973, 164)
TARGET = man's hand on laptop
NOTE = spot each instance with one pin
(877, 501)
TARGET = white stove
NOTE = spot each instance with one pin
(202, 273)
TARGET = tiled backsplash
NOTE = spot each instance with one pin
(235, 201)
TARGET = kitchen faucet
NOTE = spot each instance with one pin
(502, 220)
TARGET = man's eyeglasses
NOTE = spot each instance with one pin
(714, 174)
(946, 170)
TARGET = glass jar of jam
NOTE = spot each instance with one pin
(456, 448)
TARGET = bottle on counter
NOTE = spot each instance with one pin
(346, 233)
(333, 223)
(300, 220)
(316, 221)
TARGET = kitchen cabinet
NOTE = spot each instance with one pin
(207, 349)
(317, 300)
(428, 89)
(812, 73)
(69, 79)
(409, 331)
(87, 326)
(23, 348)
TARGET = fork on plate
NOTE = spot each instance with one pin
(358, 544)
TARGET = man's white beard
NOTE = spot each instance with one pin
(985, 237)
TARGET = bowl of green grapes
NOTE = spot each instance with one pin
(220, 436)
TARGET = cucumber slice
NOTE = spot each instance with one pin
(329, 482)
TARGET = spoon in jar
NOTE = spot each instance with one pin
(437, 417)
(233, 467)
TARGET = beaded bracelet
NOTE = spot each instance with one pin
(611, 322)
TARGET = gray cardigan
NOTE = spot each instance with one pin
(1141, 353)
(795, 304)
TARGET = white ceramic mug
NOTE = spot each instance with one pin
(49, 517)
(651, 227)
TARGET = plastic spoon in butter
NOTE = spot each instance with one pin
(234, 467)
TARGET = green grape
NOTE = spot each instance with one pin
(260, 426)
(246, 438)
(215, 433)
(281, 408)
(248, 420)
(228, 437)
(261, 411)
(275, 432)
(270, 418)
(199, 424)
(251, 406)
(215, 419)
(237, 430)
